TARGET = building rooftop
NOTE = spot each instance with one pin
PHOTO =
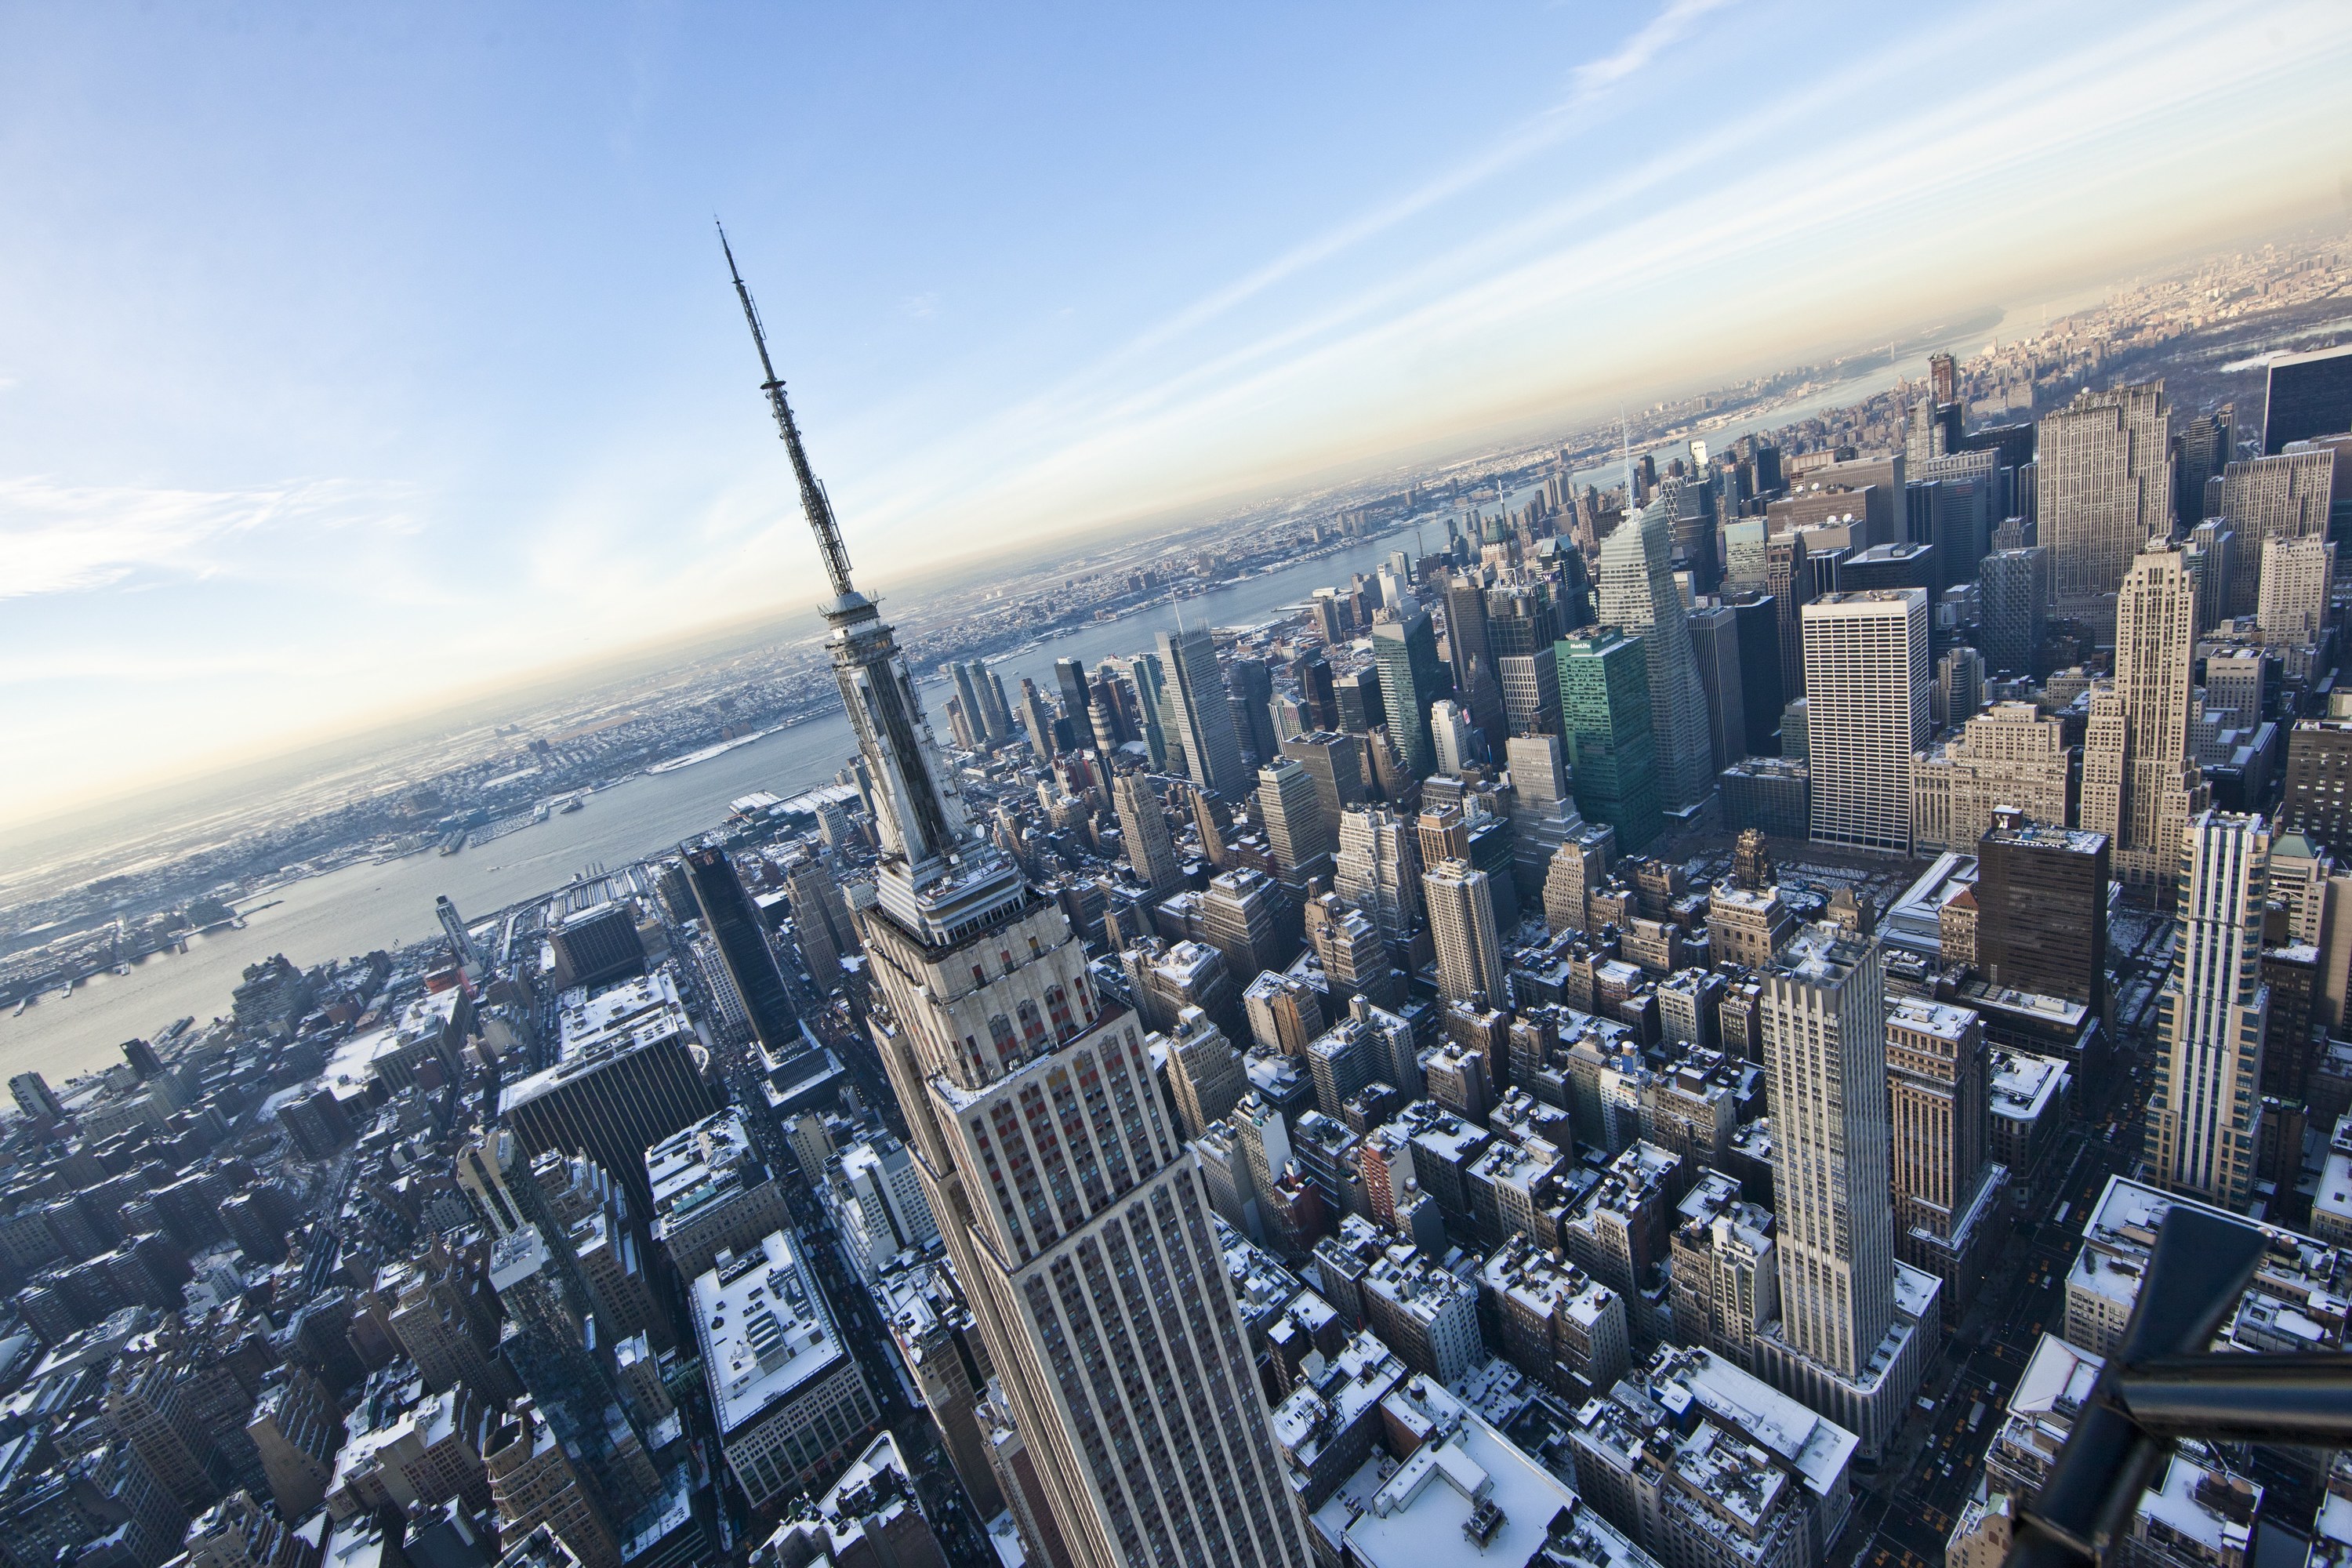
(1523, 1271)
(2023, 1085)
(700, 1165)
(765, 1329)
(1467, 1493)
(2076, 840)
(1820, 954)
(1332, 1395)
(1816, 1448)
(2203, 1503)
(1987, 998)
(2334, 1198)
(2302, 1289)
(1916, 918)
(586, 1018)
(1940, 1019)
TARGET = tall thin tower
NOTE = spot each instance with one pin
(2204, 1109)
(1075, 1216)
(1638, 593)
(2139, 786)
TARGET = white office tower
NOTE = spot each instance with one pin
(1203, 712)
(1144, 828)
(2204, 1109)
(2297, 575)
(1450, 732)
(1866, 716)
(1075, 1216)
(1302, 838)
(2139, 787)
(2104, 467)
(1638, 593)
(1855, 1323)
(1379, 871)
(1462, 924)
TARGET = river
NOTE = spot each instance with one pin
(363, 907)
(367, 906)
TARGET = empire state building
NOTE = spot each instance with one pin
(1074, 1213)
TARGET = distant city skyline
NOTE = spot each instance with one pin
(346, 366)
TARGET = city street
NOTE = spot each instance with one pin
(1904, 1514)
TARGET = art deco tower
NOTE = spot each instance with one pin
(1075, 1216)
(2204, 1109)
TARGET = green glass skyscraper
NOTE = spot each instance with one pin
(1604, 704)
(1411, 678)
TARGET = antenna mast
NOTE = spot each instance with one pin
(813, 500)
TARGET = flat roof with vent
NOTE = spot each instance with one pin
(765, 1328)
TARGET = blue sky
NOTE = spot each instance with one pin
(354, 356)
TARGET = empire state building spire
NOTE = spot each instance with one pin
(1075, 1218)
(813, 500)
(928, 845)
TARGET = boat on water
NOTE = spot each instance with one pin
(571, 805)
(22, 1002)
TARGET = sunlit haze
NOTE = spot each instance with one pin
(351, 358)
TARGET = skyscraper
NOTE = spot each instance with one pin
(1066, 1244)
(1411, 678)
(1037, 717)
(1379, 871)
(1638, 593)
(1152, 709)
(1604, 705)
(2204, 446)
(1476, 683)
(984, 699)
(1204, 714)
(2042, 903)
(1302, 838)
(2010, 755)
(1852, 1341)
(734, 924)
(1204, 1071)
(1251, 699)
(2139, 788)
(2014, 589)
(1462, 925)
(2291, 606)
(1789, 576)
(1143, 826)
(1715, 644)
(1939, 1094)
(2284, 497)
(1866, 713)
(2205, 1103)
(2105, 469)
(1825, 1054)
(2306, 396)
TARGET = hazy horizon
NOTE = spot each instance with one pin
(361, 372)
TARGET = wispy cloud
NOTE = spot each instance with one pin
(1588, 83)
(59, 539)
(1879, 192)
(1663, 32)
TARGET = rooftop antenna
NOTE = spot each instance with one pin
(1624, 442)
(815, 502)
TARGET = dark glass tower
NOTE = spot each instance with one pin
(734, 922)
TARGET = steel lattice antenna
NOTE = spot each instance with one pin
(813, 500)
